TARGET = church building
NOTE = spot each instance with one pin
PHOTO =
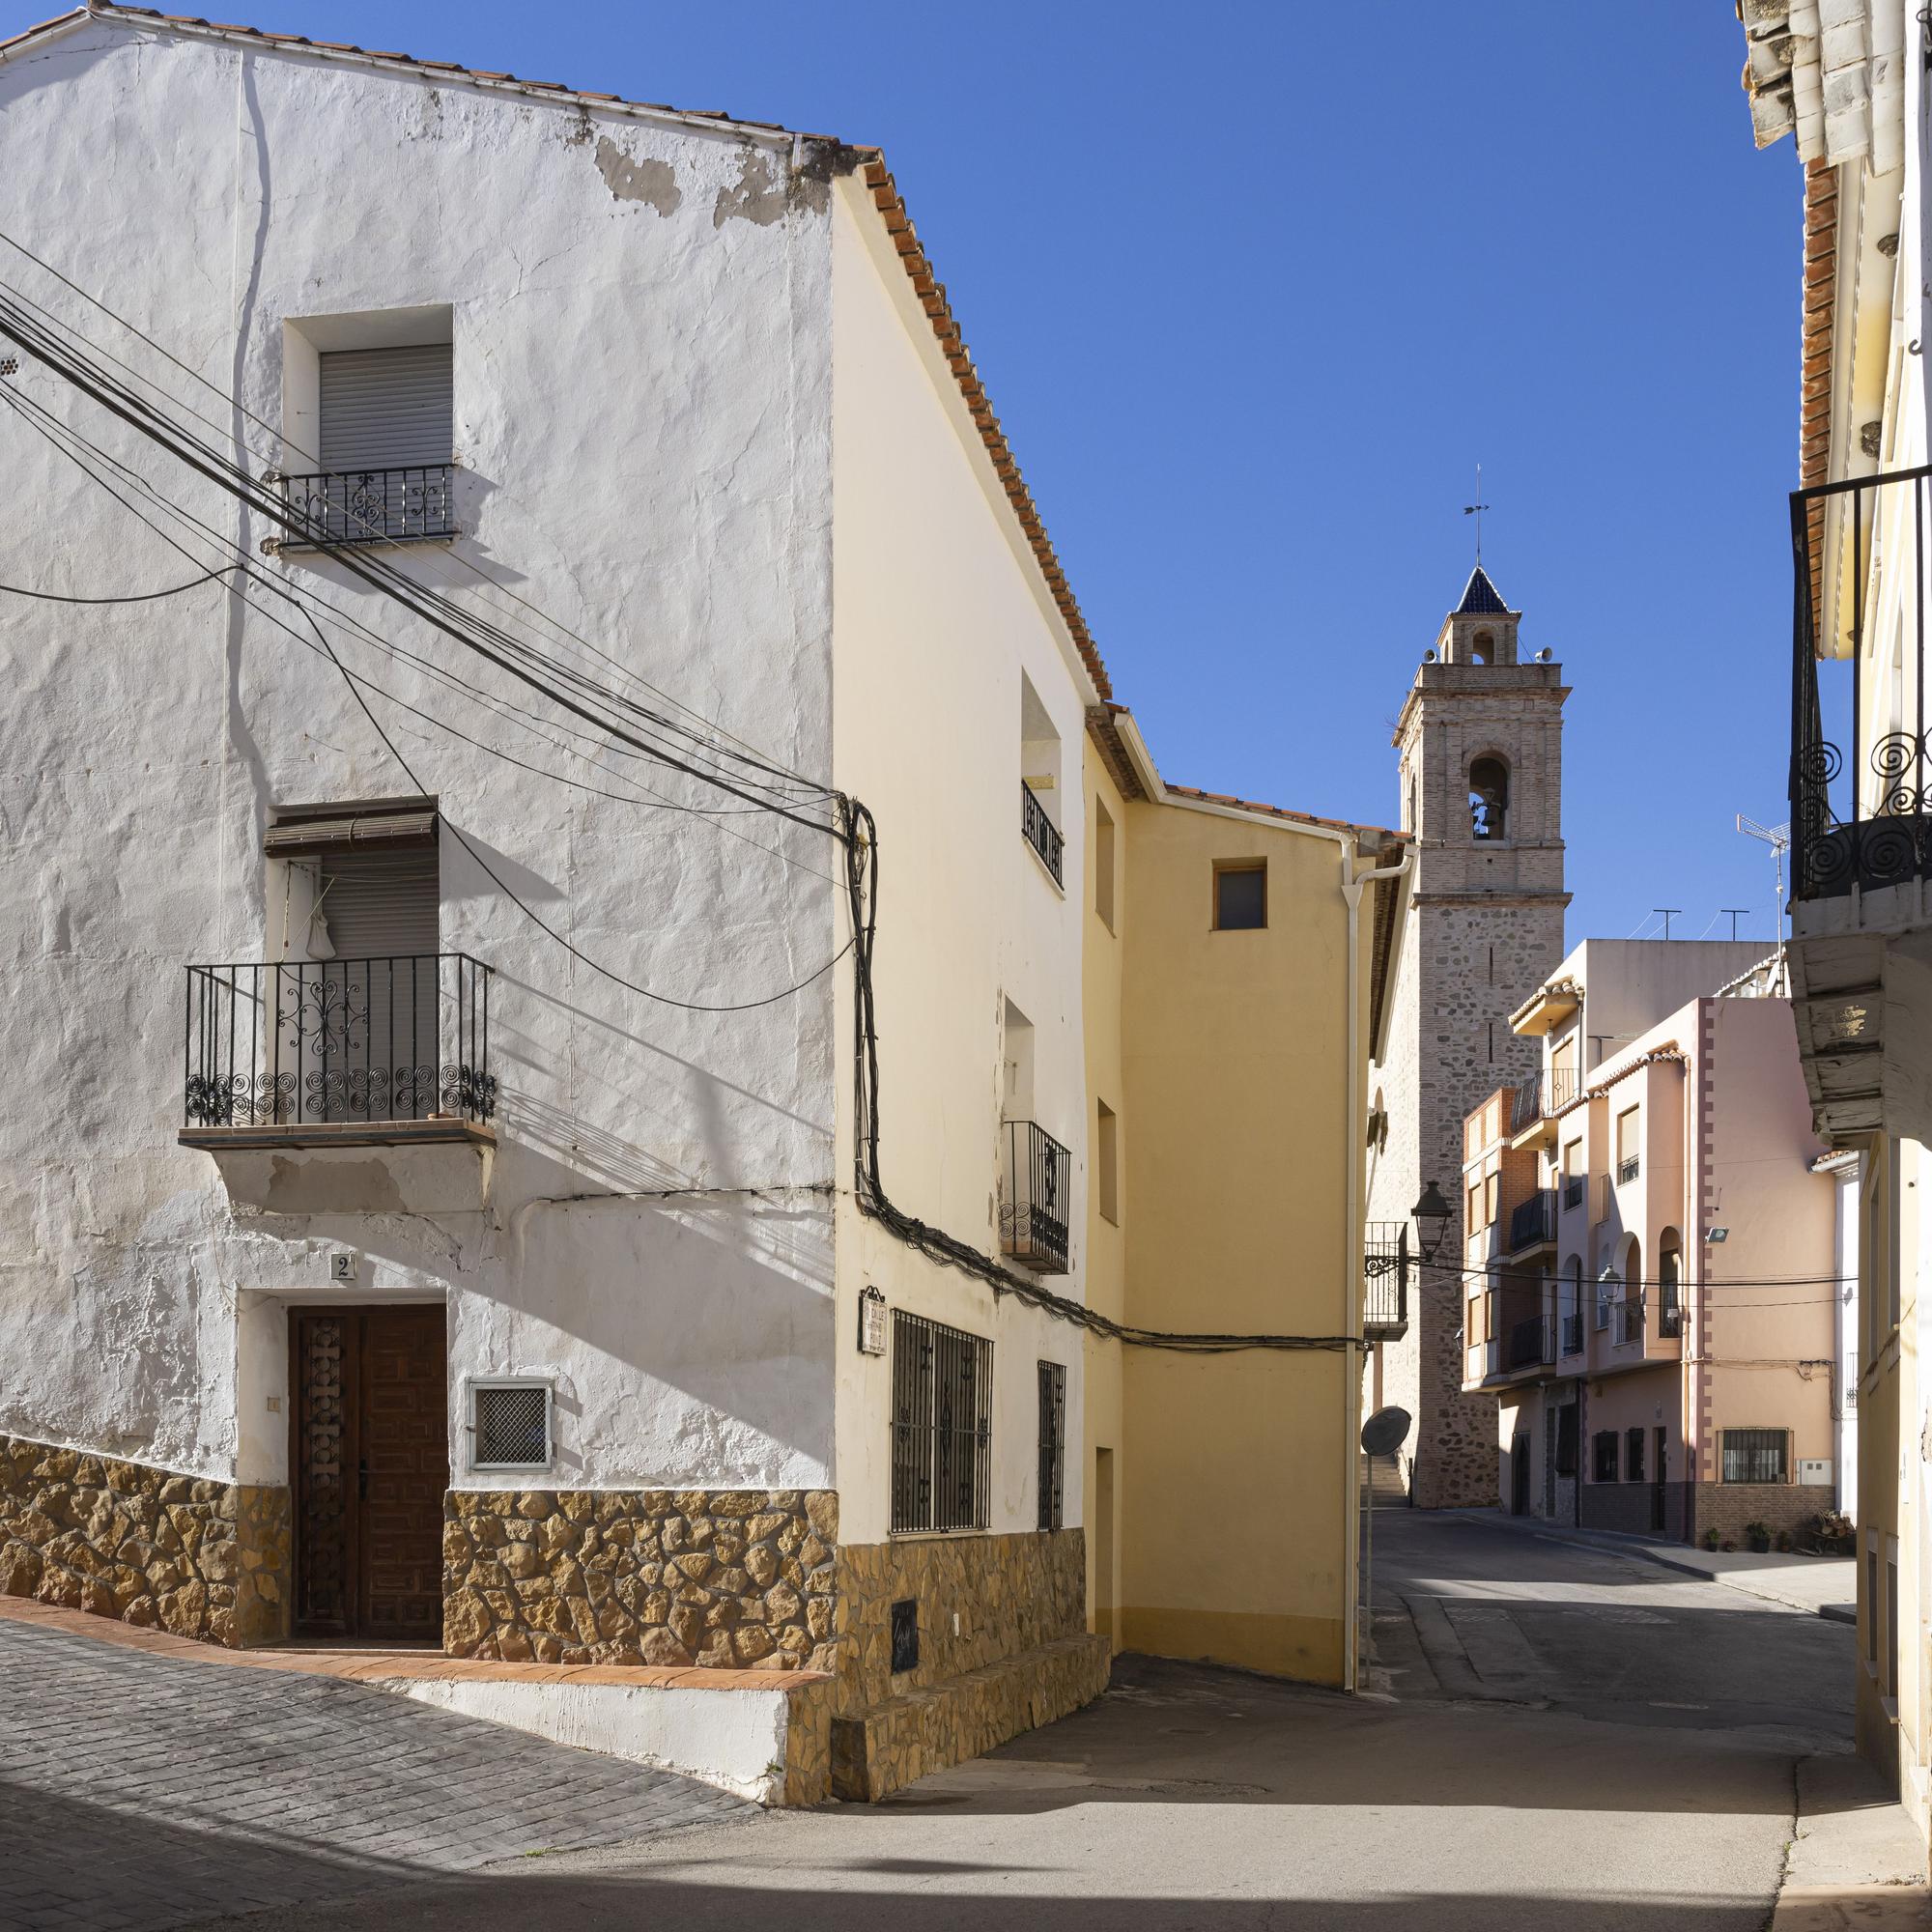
(1481, 744)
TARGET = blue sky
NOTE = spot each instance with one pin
(1254, 288)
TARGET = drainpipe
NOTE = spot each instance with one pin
(1352, 1358)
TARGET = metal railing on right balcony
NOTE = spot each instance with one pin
(1629, 1167)
(1533, 1221)
(1036, 1197)
(1573, 1334)
(1040, 832)
(1541, 1095)
(1531, 1341)
(1385, 1264)
(1861, 784)
(373, 505)
(1628, 1321)
(1573, 1190)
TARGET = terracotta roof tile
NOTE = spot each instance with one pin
(1276, 811)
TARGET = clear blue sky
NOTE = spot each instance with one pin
(1254, 288)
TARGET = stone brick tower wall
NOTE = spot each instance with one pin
(1487, 930)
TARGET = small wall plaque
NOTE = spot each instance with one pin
(871, 1321)
(341, 1266)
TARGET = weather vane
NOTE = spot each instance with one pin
(1476, 510)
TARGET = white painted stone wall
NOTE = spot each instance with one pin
(644, 329)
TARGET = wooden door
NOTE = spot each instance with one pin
(1520, 1474)
(371, 1462)
(1658, 1486)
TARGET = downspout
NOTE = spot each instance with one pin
(1352, 1358)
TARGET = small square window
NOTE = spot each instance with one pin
(510, 1426)
(1241, 898)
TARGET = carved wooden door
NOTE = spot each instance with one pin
(371, 1462)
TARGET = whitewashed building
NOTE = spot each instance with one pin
(410, 1236)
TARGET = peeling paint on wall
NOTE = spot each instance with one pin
(653, 183)
(762, 193)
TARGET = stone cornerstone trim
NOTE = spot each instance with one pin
(725, 1578)
(1021, 1656)
(201, 1558)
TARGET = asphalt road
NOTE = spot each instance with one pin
(1558, 1738)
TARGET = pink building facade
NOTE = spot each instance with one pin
(1649, 1269)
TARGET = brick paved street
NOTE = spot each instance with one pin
(141, 1791)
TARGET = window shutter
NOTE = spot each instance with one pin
(387, 408)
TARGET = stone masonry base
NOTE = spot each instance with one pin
(201, 1558)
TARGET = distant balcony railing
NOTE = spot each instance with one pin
(1531, 1342)
(1573, 1334)
(1670, 1312)
(1541, 1095)
(1037, 1188)
(373, 505)
(1861, 785)
(1534, 1221)
(1573, 1190)
(1627, 1168)
(1040, 832)
(1627, 1321)
(334, 1041)
(1385, 1265)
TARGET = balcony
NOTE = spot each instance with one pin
(1538, 1102)
(1037, 1189)
(1040, 832)
(1531, 1342)
(333, 1043)
(1573, 1190)
(1627, 1168)
(372, 505)
(1385, 1265)
(1533, 1223)
(1573, 1334)
(1860, 791)
(1626, 1322)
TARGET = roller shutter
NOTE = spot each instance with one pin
(387, 408)
(378, 904)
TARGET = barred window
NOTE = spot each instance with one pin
(942, 1426)
(1756, 1456)
(1605, 1444)
(1052, 1444)
(509, 1425)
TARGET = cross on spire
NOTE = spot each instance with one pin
(1476, 510)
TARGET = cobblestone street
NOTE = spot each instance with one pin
(139, 1791)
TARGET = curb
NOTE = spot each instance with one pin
(1838, 1613)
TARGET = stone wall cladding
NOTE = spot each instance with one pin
(187, 1554)
(1022, 1655)
(733, 1578)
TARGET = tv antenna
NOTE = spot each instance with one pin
(1736, 913)
(1778, 838)
(1476, 510)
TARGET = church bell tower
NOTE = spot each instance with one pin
(1480, 744)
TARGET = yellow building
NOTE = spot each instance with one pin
(1236, 960)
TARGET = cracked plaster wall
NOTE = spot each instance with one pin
(642, 421)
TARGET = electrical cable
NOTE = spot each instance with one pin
(353, 683)
(143, 597)
(464, 562)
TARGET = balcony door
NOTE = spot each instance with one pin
(369, 1461)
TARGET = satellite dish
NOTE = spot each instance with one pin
(1385, 1432)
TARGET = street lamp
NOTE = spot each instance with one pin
(1431, 1215)
(1432, 1219)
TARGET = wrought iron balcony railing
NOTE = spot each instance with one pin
(1573, 1191)
(1542, 1095)
(1531, 1342)
(1861, 799)
(336, 1042)
(1385, 1264)
(1629, 1167)
(374, 506)
(1533, 1221)
(1669, 1313)
(1040, 832)
(1573, 1334)
(1036, 1199)
(1627, 1321)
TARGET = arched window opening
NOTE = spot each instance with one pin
(1488, 798)
(1669, 1284)
(1482, 649)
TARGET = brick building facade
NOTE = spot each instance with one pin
(1481, 744)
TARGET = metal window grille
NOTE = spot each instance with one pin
(1628, 1167)
(1755, 1455)
(1573, 1191)
(1052, 1444)
(511, 1424)
(942, 1426)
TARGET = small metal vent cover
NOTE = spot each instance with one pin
(905, 1634)
(512, 1426)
